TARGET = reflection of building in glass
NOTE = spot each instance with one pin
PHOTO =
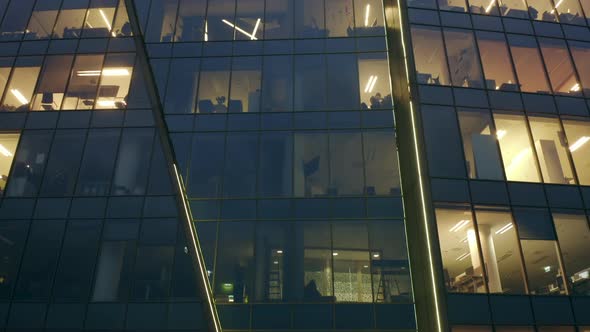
(276, 165)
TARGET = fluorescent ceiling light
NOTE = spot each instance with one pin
(547, 268)
(489, 7)
(505, 228)
(279, 251)
(255, 29)
(5, 151)
(501, 133)
(578, 144)
(104, 72)
(206, 37)
(376, 255)
(459, 225)
(462, 257)
(19, 96)
(367, 10)
(575, 87)
(252, 37)
(371, 84)
(106, 103)
(105, 19)
(334, 254)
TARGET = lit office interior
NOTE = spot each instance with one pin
(8, 144)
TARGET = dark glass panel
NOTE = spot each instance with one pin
(132, 169)
(275, 173)
(241, 161)
(279, 22)
(214, 85)
(206, 167)
(310, 83)
(346, 164)
(573, 234)
(463, 58)
(14, 235)
(311, 164)
(190, 25)
(381, 165)
(62, 167)
(52, 84)
(182, 86)
(8, 144)
(429, 56)
(29, 163)
(277, 86)
(245, 85)
(162, 20)
(221, 23)
(42, 20)
(15, 20)
(98, 162)
(153, 272)
(342, 82)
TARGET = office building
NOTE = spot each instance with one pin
(295, 165)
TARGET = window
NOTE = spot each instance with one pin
(245, 85)
(514, 329)
(214, 85)
(542, 10)
(352, 276)
(190, 25)
(453, 5)
(462, 265)
(153, 272)
(66, 153)
(94, 178)
(309, 19)
(529, 67)
(339, 17)
(556, 329)
(52, 84)
(429, 56)
(471, 329)
(311, 164)
(234, 273)
(99, 19)
(500, 250)
(581, 54)
(519, 159)
(15, 233)
(82, 89)
(115, 79)
(131, 170)
(463, 58)
(570, 12)
(483, 7)
(206, 168)
(381, 165)
(559, 66)
(182, 85)
(373, 81)
(71, 19)
(310, 72)
(279, 19)
(221, 23)
(249, 18)
(513, 8)
(574, 235)
(21, 85)
(369, 18)
(15, 20)
(42, 20)
(578, 136)
(241, 161)
(29, 163)
(318, 275)
(277, 88)
(343, 85)
(551, 147)
(275, 170)
(162, 20)
(480, 145)
(8, 144)
(346, 164)
(495, 60)
(275, 268)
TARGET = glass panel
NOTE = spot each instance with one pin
(15, 21)
(115, 79)
(245, 85)
(515, 144)
(5, 69)
(514, 8)
(352, 276)
(249, 18)
(453, 5)
(551, 147)
(543, 269)
(484, 7)
(586, 8)
(277, 84)
(429, 56)
(542, 10)
(190, 25)
(310, 72)
(480, 145)
(569, 12)
(463, 58)
(346, 164)
(381, 166)
(15, 235)
(235, 262)
(39, 261)
(220, 24)
(529, 67)
(122, 27)
(443, 142)
(471, 329)
(500, 250)
(462, 265)
(559, 66)
(206, 168)
(581, 54)
(66, 152)
(310, 164)
(95, 174)
(53, 81)
(374, 85)
(99, 19)
(182, 85)
(369, 19)
(131, 171)
(162, 20)
(29, 163)
(83, 84)
(339, 17)
(317, 263)
(71, 19)
(8, 144)
(389, 262)
(153, 272)
(573, 234)
(241, 161)
(42, 20)
(275, 171)
(275, 252)
(495, 60)
(578, 136)
(422, 3)
(214, 85)
(279, 19)
(22, 84)
(309, 19)
(343, 85)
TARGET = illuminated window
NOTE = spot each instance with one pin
(22, 82)
(578, 138)
(8, 143)
(429, 56)
(573, 235)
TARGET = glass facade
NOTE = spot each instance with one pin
(278, 165)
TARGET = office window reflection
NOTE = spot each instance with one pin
(528, 64)
(70, 20)
(99, 19)
(480, 145)
(543, 269)
(245, 85)
(500, 250)
(84, 81)
(190, 25)
(277, 84)
(279, 19)
(115, 79)
(15, 19)
(496, 62)
(463, 58)
(309, 19)
(29, 163)
(573, 234)
(429, 56)
(275, 168)
(462, 265)
(578, 137)
(517, 151)
(52, 83)
(162, 20)
(369, 20)
(559, 66)
(381, 166)
(214, 85)
(346, 164)
(22, 82)
(581, 53)
(8, 144)
(551, 149)
(42, 19)
(310, 72)
(374, 85)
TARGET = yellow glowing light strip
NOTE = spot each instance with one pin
(105, 19)
(578, 144)
(420, 181)
(239, 29)
(202, 269)
(5, 151)
(255, 29)
(18, 95)
(367, 15)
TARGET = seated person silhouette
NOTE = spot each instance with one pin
(311, 291)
